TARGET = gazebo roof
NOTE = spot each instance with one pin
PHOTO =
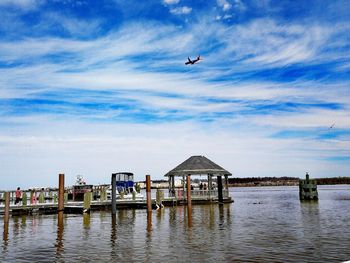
(198, 165)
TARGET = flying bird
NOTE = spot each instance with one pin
(191, 62)
(332, 126)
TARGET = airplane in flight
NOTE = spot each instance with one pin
(191, 62)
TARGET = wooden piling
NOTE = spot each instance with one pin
(65, 197)
(220, 196)
(41, 198)
(148, 192)
(61, 193)
(114, 193)
(189, 201)
(24, 199)
(7, 208)
(5, 237)
(87, 201)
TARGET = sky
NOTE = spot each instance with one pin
(95, 87)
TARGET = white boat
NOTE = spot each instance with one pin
(125, 188)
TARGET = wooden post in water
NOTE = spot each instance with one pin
(65, 198)
(41, 197)
(148, 192)
(7, 208)
(61, 193)
(87, 201)
(114, 193)
(220, 197)
(24, 199)
(189, 201)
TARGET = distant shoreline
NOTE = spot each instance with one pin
(282, 181)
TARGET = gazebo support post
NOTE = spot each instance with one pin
(170, 187)
(226, 185)
(210, 186)
(220, 189)
(173, 185)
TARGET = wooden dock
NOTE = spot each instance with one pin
(78, 207)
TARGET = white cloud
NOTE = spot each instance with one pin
(22, 4)
(184, 10)
(225, 5)
(171, 2)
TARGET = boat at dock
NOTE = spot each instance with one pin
(126, 188)
(80, 188)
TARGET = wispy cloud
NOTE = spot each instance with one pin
(183, 10)
(171, 2)
(225, 5)
(24, 5)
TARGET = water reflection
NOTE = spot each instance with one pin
(113, 236)
(5, 237)
(273, 230)
(148, 240)
(310, 218)
(224, 218)
(60, 232)
(221, 216)
(149, 221)
(86, 220)
(189, 216)
(24, 221)
(15, 227)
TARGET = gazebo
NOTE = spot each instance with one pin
(200, 165)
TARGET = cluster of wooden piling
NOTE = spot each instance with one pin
(62, 197)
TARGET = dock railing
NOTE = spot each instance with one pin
(198, 194)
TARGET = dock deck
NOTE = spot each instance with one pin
(78, 207)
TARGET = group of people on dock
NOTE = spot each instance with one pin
(203, 186)
(18, 196)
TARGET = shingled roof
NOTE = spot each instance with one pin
(198, 165)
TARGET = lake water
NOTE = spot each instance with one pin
(266, 224)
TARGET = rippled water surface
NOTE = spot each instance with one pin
(267, 224)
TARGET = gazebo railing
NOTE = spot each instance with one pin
(198, 194)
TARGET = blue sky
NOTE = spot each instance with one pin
(95, 87)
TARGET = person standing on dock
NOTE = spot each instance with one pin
(18, 195)
(33, 201)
